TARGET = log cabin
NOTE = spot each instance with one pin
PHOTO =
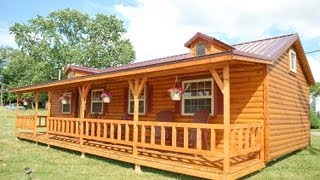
(219, 111)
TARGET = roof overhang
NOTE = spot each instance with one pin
(184, 63)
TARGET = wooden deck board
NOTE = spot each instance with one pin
(200, 166)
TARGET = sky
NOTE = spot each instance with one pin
(160, 28)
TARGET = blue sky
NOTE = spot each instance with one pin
(160, 28)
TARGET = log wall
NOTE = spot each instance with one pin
(288, 99)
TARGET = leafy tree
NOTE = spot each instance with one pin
(315, 88)
(48, 44)
(314, 120)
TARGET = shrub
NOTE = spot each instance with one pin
(314, 120)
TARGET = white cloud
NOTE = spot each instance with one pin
(6, 39)
(160, 28)
(314, 63)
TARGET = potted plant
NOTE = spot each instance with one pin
(25, 102)
(65, 98)
(175, 93)
(106, 97)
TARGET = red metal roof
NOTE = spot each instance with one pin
(267, 49)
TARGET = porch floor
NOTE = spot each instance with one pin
(200, 166)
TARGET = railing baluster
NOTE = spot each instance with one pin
(152, 136)
(174, 136)
(199, 138)
(247, 138)
(104, 130)
(98, 129)
(233, 138)
(119, 132)
(87, 128)
(212, 139)
(163, 135)
(143, 134)
(112, 131)
(252, 136)
(185, 138)
(92, 128)
(240, 139)
(127, 132)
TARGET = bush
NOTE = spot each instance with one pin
(314, 120)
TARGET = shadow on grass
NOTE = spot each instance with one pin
(312, 150)
(165, 174)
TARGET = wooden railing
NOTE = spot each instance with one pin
(188, 138)
(113, 131)
(26, 122)
(64, 126)
(245, 138)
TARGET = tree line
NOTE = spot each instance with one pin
(46, 45)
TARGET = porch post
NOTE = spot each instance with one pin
(36, 99)
(48, 114)
(136, 88)
(17, 111)
(17, 107)
(83, 92)
(226, 118)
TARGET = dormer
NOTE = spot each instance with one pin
(77, 71)
(201, 44)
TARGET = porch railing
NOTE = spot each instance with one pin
(185, 138)
(26, 122)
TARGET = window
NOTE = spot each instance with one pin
(66, 108)
(198, 95)
(96, 102)
(200, 49)
(293, 61)
(142, 103)
(71, 74)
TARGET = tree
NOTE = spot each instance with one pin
(315, 89)
(47, 44)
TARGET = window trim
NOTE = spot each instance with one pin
(91, 103)
(212, 95)
(204, 45)
(144, 102)
(62, 112)
(294, 70)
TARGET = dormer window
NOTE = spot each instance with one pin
(200, 49)
(293, 61)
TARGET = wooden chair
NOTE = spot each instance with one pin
(164, 116)
(201, 116)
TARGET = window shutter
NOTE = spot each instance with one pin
(177, 105)
(218, 100)
(88, 104)
(105, 105)
(149, 95)
(125, 100)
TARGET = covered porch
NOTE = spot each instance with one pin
(230, 145)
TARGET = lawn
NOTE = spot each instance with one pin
(57, 163)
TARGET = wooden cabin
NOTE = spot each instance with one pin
(240, 107)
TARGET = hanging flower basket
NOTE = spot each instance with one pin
(106, 97)
(65, 98)
(25, 102)
(175, 93)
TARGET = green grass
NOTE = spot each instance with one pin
(57, 163)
